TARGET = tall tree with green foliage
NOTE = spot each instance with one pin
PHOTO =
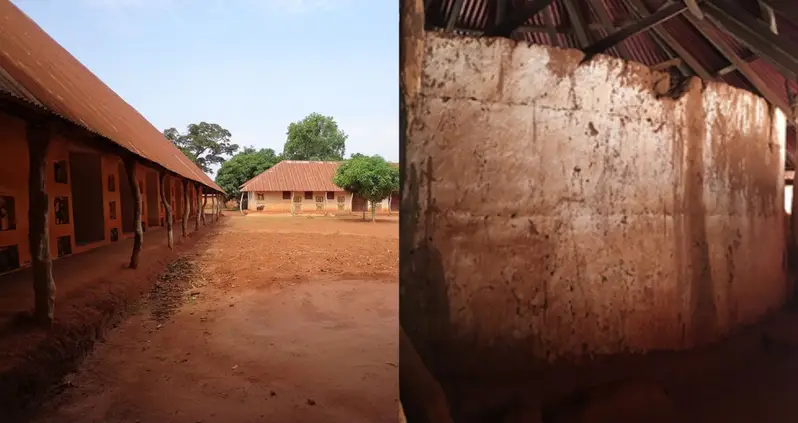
(316, 137)
(371, 177)
(244, 166)
(205, 144)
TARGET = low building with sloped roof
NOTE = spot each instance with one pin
(294, 186)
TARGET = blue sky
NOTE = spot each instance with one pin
(252, 66)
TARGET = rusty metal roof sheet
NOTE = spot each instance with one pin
(293, 175)
(37, 69)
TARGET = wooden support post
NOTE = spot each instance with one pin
(138, 235)
(204, 204)
(198, 194)
(38, 137)
(241, 204)
(221, 205)
(186, 210)
(170, 236)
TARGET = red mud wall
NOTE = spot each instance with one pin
(562, 210)
(14, 165)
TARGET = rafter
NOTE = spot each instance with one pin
(457, 8)
(742, 66)
(755, 35)
(577, 22)
(786, 8)
(640, 9)
(769, 17)
(515, 20)
(648, 22)
(548, 19)
(731, 68)
(604, 18)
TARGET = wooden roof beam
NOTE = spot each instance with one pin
(548, 19)
(605, 20)
(644, 24)
(788, 9)
(640, 9)
(742, 66)
(457, 7)
(577, 23)
(515, 20)
(731, 68)
(769, 17)
(755, 35)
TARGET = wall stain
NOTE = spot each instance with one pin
(702, 295)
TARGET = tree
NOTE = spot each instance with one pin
(370, 177)
(244, 166)
(203, 143)
(315, 137)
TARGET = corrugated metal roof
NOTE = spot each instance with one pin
(36, 68)
(296, 175)
(646, 47)
(292, 175)
(11, 87)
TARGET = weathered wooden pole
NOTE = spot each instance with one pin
(204, 204)
(138, 235)
(170, 236)
(221, 205)
(38, 137)
(241, 204)
(186, 207)
(198, 195)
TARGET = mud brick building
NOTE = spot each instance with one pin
(293, 186)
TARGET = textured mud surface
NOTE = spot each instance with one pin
(272, 319)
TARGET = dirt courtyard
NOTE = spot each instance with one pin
(270, 319)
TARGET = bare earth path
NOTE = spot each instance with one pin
(271, 319)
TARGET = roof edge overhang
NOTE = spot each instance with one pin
(39, 111)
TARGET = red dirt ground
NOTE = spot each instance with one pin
(268, 319)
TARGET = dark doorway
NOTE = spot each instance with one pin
(87, 197)
(153, 211)
(359, 203)
(126, 198)
(178, 206)
(245, 201)
(395, 202)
